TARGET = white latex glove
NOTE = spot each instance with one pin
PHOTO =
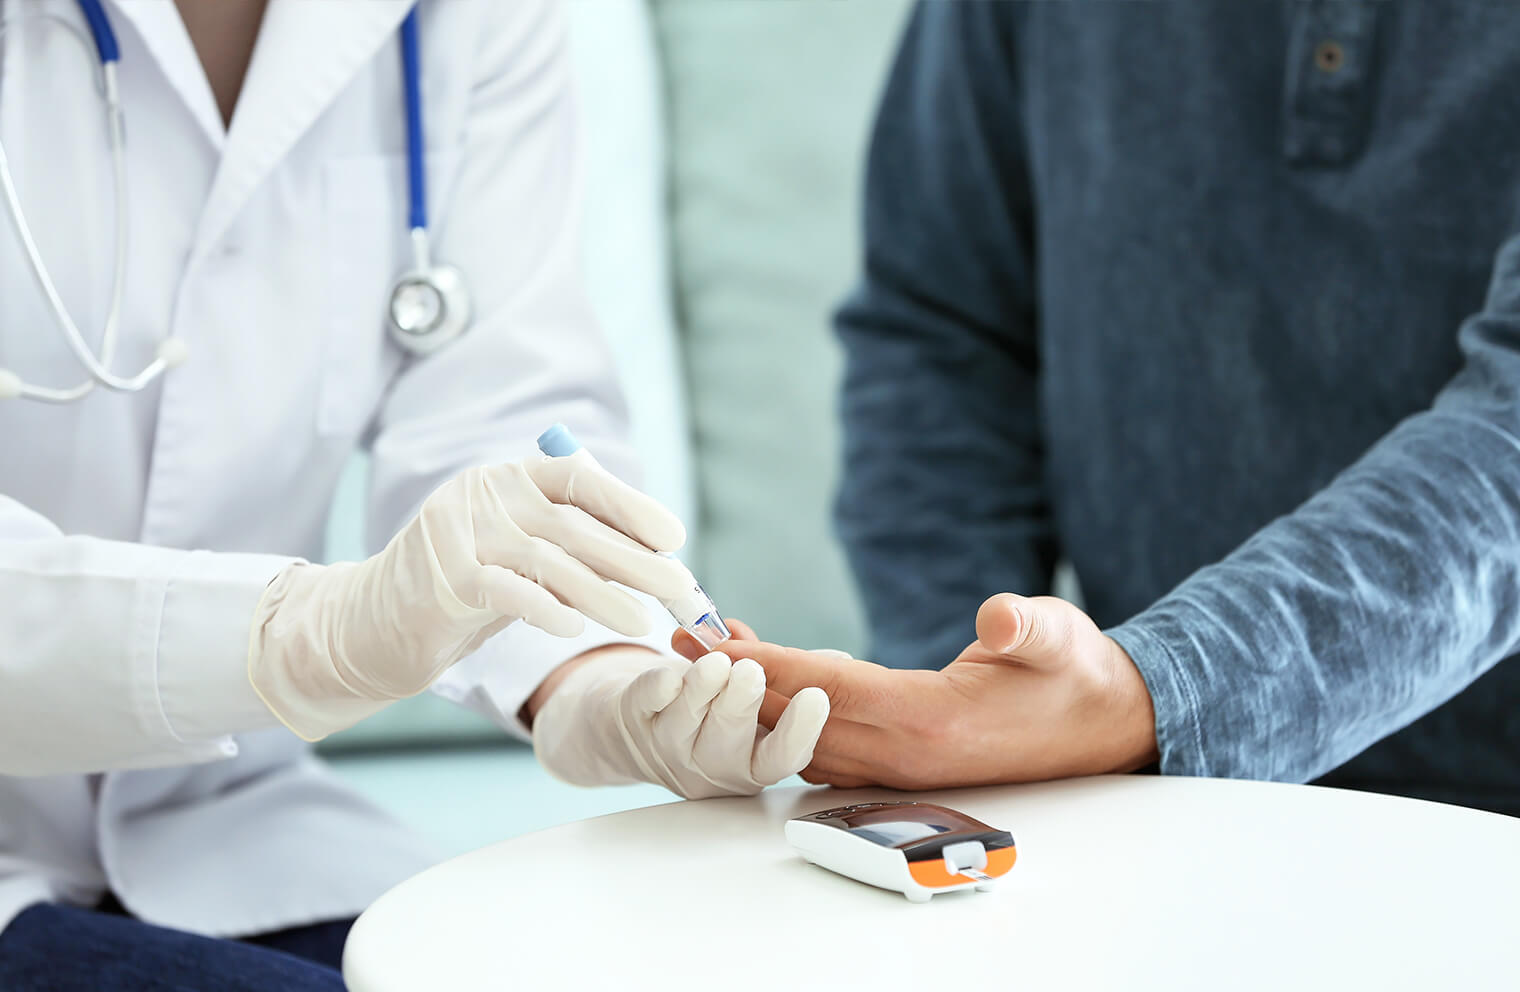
(692, 727)
(533, 540)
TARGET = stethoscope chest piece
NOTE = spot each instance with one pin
(429, 307)
(429, 304)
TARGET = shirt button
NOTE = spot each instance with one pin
(1329, 56)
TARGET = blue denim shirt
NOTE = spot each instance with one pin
(1220, 302)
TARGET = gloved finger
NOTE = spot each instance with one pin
(677, 725)
(502, 499)
(789, 748)
(579, 481)
(607, 552)
(649, 693)
(575, 585)
(726, 742)
(508, 594)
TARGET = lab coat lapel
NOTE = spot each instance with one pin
(162, 32)
(307, 51)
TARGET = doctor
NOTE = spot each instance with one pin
(165, 653)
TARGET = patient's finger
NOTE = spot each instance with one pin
(833, 770)
(741, 630)
(771, 708)
(815, 776)
(685, 645)
(846, 748)
(774, 704)
(688, 647)
(790, 670)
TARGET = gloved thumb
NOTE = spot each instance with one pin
(1035, 632)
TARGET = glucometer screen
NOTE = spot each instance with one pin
(919, 830)
(898, 833)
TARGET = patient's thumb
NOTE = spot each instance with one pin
(1036, 632)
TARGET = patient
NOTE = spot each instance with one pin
(1221, 304)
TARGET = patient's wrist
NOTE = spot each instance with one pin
(1135, 713)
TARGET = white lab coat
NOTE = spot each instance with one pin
(137, 532)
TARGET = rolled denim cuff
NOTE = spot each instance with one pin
(1167, 657)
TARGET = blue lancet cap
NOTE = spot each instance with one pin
(557, 441)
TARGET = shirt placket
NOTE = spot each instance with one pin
(1328, 92)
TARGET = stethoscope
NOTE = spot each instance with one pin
(429, 304)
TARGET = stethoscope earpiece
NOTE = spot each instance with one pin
(173, 352)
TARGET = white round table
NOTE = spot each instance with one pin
(1125, 882)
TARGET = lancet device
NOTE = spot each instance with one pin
(917, 849)
(694, 610)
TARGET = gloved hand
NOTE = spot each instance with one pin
(693, 727)
(533, 540)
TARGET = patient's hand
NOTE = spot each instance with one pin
(1042, 693)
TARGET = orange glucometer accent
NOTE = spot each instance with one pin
(918, 849)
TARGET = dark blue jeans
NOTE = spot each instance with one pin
(51, 948)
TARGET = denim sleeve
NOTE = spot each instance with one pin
(1380, 598)
(943, 501)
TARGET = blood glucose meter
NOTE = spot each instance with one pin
(914, 848)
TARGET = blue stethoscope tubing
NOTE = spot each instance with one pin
(428, 306)
(100, 28)
(411, 81)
